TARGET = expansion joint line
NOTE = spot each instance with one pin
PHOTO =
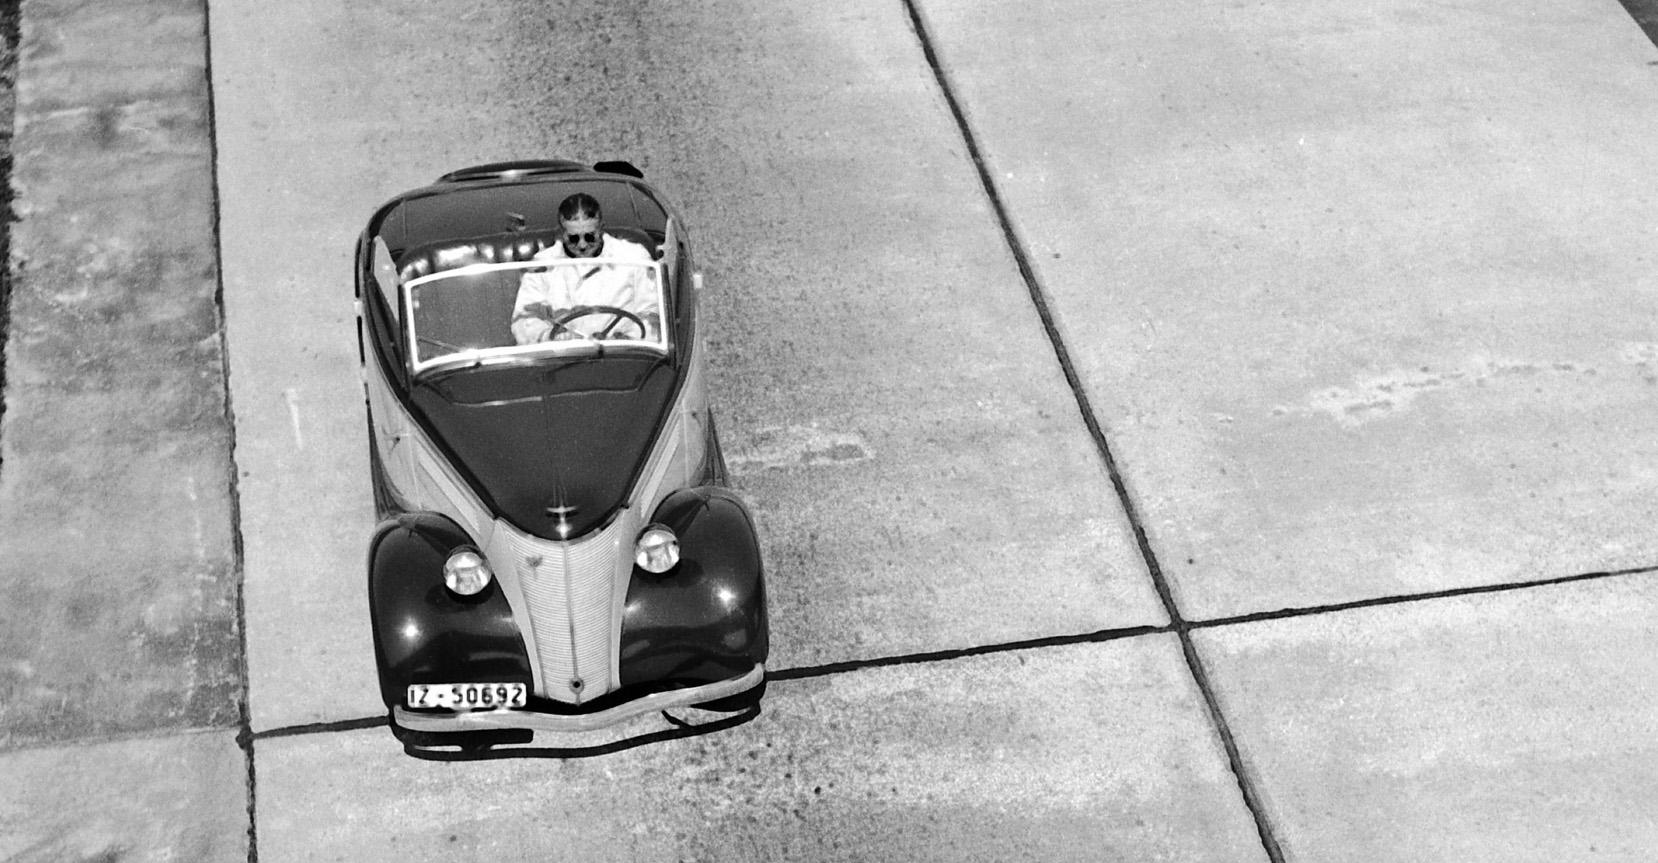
(1181, 628)
(245, 737)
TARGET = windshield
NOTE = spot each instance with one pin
(499, 312)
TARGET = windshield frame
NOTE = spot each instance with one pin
(535, 351)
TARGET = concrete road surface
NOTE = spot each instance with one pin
(1200, 433)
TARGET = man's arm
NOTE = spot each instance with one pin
(648, 306)
(531, 312)
(644, 293)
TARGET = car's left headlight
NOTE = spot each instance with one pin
(657, 549)
(466, 572)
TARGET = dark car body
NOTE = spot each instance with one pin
(549, 462)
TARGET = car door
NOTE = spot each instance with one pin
(388, 421)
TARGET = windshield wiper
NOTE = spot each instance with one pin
(473, 358)
(454, 349)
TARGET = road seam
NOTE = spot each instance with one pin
(1241, 773)
(807, 672)
(1096, 637)
(1397, 599)
(244, 732)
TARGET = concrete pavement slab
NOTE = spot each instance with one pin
(1509, 726)
(1362, 293)
(890, 407)
(118, 556)
(180, 797)
(1088, 752)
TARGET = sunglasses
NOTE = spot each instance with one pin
(586, 239)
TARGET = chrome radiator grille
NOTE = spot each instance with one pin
(568, 590)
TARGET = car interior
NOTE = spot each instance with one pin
(482, 317)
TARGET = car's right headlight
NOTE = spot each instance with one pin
(466, 572)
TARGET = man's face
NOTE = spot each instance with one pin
(582, 237)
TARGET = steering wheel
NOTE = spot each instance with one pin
(618, 314)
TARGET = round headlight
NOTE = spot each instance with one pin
(657, 549)
(466, 572)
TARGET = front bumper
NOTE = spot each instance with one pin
(495, 720)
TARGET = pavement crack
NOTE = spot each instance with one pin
(321, 727)
(1039, 299)
(1402, 598)
(245, 736)
(809, 671)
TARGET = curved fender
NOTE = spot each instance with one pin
(705, 619)
(424, 633)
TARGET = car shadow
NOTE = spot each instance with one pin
(681, 729)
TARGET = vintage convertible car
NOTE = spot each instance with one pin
(557, 547)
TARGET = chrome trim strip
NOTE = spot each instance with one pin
(631, 521)
(495, 719)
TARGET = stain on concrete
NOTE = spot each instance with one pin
(1644, 357)
(788, 447)
(1389, 394)
(104, 128)
(70, 850)
(1639, 353)
(290, 397)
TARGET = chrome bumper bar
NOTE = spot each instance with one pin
(489, 720)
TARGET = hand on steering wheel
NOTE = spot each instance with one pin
(618, 315)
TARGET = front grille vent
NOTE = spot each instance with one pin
(568, 590)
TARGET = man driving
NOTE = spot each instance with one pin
(550, 303)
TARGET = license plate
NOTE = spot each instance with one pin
(468, 696)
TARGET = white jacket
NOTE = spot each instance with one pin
(541, 296)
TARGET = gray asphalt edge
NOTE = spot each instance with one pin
(8, 102)
(117, 485)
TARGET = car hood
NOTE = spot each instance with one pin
(534, 451)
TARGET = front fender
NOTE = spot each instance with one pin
(705, 619)
(424, 633)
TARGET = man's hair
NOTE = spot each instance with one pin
(578, 206)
